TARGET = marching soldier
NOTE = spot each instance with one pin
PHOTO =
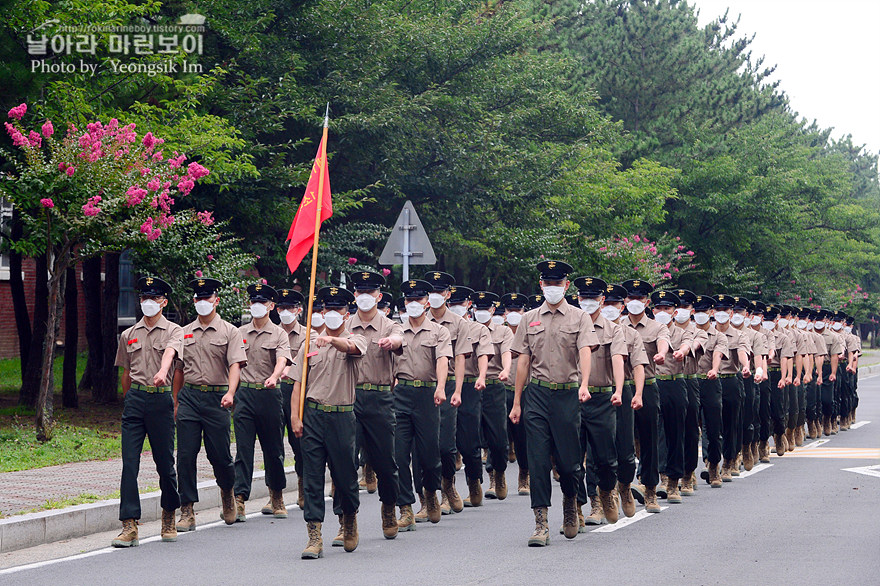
(763, 421)
(647, 419)
(374, 404)
(780, 367)
(421, 372)
(328, 426)
(710, 348)
(855, 344)
(738, 319)
(682, 319)
(258, 409)
(146, 354)
(554, 347)
(807, 352)
(813, 402)
(834, 348)
(205, 381)
(514, 307)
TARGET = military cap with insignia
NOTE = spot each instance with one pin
(685, 297)
(667, 298)
(741, 303)
(261, 293)
(317, 304)
(205, 287)
(514, 301)
(459, 294)
(758, 307)
(704, 302)
(400, 304)
(439, 280)
(825, 314)
(805, 313)
(554, 270)
(335, 297)
(771, 312)
(789, 311)
(352, 308)
(637, 288)
(724, 301)
(416, 288)
(816, 314)
(535, 301)
(366, 281)
(483, 299)
(850, 320)
(572, 299)
(287, 297)
(386, 300)
(153, 286)
(615, 293)
(838, 316)
(590, 286)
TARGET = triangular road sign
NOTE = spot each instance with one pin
(418, 249)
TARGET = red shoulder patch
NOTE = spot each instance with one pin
(535, 323)
(187, 335)
(310, 354)
(130, 342)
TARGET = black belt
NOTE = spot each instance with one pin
(554, 386)
(372, 387)
(417, 383)
(208, 388)
(329, 408)
(149, 389)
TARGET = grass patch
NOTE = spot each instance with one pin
(10, 372)
(20, 450)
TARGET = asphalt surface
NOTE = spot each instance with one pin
(802, 519)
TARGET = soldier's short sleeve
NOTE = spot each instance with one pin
(444, 343)
(484, 340)
(663, 333)
(788, 348)
(397, 330)
(722, 343)
(282, 346)
(235, 352)
(701, 338)
(175, 339)
(618, 341)
(296, 372)
(360, 343)
(520, 340)
(837, 345)
(586, 333)
(506, 339)
(637, 353)
(122, 350)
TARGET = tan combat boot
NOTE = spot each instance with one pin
(673, 495)
(500, 485)
(764, 452)
(811, 429)
(372, 484)
(747, 461)
(279, 511)
(523, 483)
(422, 515)
(610, 506)
(799, 436)
(490, 492)
(541, 536)
(688, 484)
(570, 525)
(780, 444)
(315, 547)
(714, 478)
(339, 540)
(726, 475)
(240, 515)
(407, 521)
(432, 507)
(458, 463)
(267, 508)
(627, 503)
(169, 531)
(300, 494)
(596, 516)
(826, 425)
(187, 521)
(661, 488)
(129, 535)
(511, 453)
(228, 501)
(350, 532)
(734, 466)
(475, 494)
(445, 507)
(835, 426)
(448, 488)
(651, 504)
(389, 522)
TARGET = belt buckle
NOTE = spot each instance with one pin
(150, 389)
(203, 388)
(553, 386)
(417, 383)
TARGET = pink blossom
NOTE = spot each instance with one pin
(18, 112)
(264, 281)
(206, 218)
(35, 139)
(48, 129)
(154, 184)
(680, 247)
(157, 156)
(196, 171)
(147, 226)
(47, 203)
(166, 220)
(792, 282)
(637, 238)
(258, 257)
(603, 249)
(352, 260)
(18, 139)
(386, 272)
(198, 273)
(797, 297)
(667, 275)
(678, 239)
(90, 210)
(70, 171)
(136, 195)
(61, 166)
(210, 257)
(674, 269)
(149, 142)
(176, 161)
(185, 186)
(690, 252)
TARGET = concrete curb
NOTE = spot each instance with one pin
(21, 531)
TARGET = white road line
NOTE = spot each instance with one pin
(755, 470)
(816, 443)
(626, 521)
(859, 424)
(866, 470)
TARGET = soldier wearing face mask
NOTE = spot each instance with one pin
(205, 381)
(710, 348)
(647, 419)
(514, 306)
(493, 408)
(854, 345)
(738, 320)
(797, 402)
(258, 404)
(780, 367)
(554, 343)
(385, 304)
(421, 379)
(328, 426)
(146, 353)
(814, 403)
(845, 391)
(761, 414)
(374, 404)
(682, 319)
(831, 391)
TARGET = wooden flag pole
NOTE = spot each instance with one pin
(321, 174)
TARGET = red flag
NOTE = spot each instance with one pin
(302, 230)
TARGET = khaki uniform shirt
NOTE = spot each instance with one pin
(651, 332)
(635, 349)
(690, 359)
(209, 350)
(611, 343)
(296, 336)
(553, 338)
(804, 344)
(457, 326)
(423, 345)
(833, 343)
(853, 343)
(818, 344)
(677, 337)
(502, 341)
(710, 341)
(332, 374)
(141, 348)
(756, 343)
(263, 347)
(784, 347)
(479, 343)
(735, 341)
(376, 364)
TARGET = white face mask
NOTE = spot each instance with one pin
(286, 316)
(662, 317)
(334, 320)
(809, 327)
(635, 307)
(317, 320)
(457, 309)
(820, 325)
(701, 317)
(769, 324)
(589, 305)
(610, 313)
(482, 315)
(497, 320)
(722, 317)
(514, 318)
(756, 320)
(150, 307)
(682, 315)
(436, 300)
(836, 326)
(802, 324)
(737, 319)
(783, 322)
(204, 307)
(414, 309)
(259, 310)
(553, 294)
(365, 302)
(848, 329)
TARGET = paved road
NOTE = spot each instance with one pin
(800, 520)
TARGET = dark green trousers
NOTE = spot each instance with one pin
(374, 411)
(493, 423)
(147, 415)
(467, 432)
(598, 435)
(731, 403)
(516, 432)
(647, 421)
(692, 426)
(200, 416)
(286, 391)
(748, 412)
(258, 414)
(448, 427)
(764, 411)
(778, 404)
(673, 411)
(552, 420)
(417, 430)
(624, 441)
(711, 409)
(328, 441)
(827, 391)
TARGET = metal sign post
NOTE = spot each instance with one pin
(408, 243)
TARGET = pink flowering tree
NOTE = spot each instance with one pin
(662, 261)
(81, 192)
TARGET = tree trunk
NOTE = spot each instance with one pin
(69, 396)
(105, 388)
(30, 382)
(91, 279)
(19, 301)
(45, 395)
